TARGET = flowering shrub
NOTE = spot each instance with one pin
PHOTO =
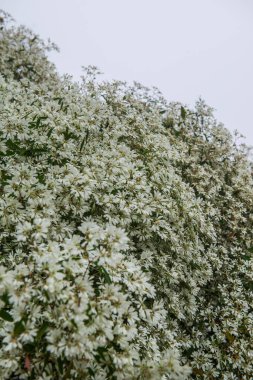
(126, 230)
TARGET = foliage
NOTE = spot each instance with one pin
(126, 230)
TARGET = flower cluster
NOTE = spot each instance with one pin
(78, 309)
(126, 230)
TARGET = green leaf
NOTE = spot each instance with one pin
(60, 365)
(248, 284)
(91, 372)
(246, 257)
(19, 328)
(183, 112)
(101, 351)
(41, 178)
(230, 338)
(12, 145)
(39, 120)
(29, 347)
(82, 144)
(105, 274)
(168, 123)
(87, 135)
(5, 315)
(42, 331)
(35, 101)
(50, 132)
(5, 298)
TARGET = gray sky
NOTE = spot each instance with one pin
(186, 48)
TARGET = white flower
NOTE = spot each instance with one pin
(124, 230)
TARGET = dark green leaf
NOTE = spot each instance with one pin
(246, 258)
(183, 113)
(42, 331)
(91, 372)
(60, 365)
(82, 144)
(41, 177)
(19, 328)
(5, 315)
(5, 298)
(50, 132)
(39, 120)
(29, 347)
(168, 123)
(105, 274)
(87, 135)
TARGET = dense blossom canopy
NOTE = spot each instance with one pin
(126, 229)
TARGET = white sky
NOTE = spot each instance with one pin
(186, 48)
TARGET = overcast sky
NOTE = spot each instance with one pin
(186, 48)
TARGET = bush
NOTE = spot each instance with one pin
(126, 229)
